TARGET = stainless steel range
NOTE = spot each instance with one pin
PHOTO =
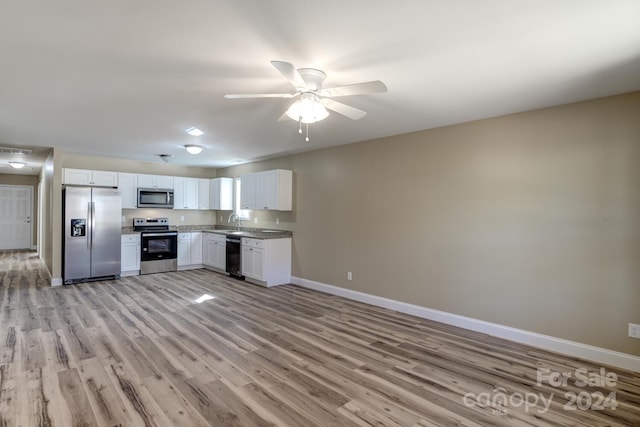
(159, 245)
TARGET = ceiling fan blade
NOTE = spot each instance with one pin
(260, 95)
(375, 86)
(289, 71)
(284, 117)
(344, 109)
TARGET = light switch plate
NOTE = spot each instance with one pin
(634, 330)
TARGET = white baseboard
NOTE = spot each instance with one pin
(546, 342)
(190, 267)
(56, 281)
(130, 273)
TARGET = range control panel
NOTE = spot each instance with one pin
(150, 221)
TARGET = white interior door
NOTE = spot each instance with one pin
(15, 216)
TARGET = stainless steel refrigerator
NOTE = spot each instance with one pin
(92, 230)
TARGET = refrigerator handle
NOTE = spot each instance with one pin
(89, 225)
(93, 222)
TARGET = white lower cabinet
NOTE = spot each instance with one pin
(189, 250)
(266, 262)
(130, 255)
(214, 251)
(252, 262)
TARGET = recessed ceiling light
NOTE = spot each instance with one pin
(17, 165)
(194, 131)
(194, 149)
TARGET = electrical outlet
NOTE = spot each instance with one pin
(277, 220)
(255, 220)
(181, 217)
(220, 217)
(634, 330)
(349, 275)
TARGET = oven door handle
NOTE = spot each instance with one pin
(170, 233)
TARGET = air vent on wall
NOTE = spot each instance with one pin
(9, 150)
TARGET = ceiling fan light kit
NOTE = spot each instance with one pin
(307, 109)
(313, 101)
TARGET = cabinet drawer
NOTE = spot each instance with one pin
(130, 238)
(253, 243)
(217, 237)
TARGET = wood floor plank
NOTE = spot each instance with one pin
(33, 399)
(108, 408)
(136, 397)
(56, 351)
(76, 398)
(9, 408)
(31, 349)
(140, 351)
(175, 406)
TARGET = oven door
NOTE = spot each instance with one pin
(159, 245)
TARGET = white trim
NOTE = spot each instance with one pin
(56, 281)
(559, 345)
(190, 267)
(130, 273)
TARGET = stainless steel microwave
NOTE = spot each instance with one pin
(155, 198)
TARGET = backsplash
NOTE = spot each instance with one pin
(176, 217)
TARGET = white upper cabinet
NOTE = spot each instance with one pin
(155, 181)
(203, 193)
(248, 191)
(221, 194)
(185, 193)
(128, 186)
(269, 190)
(90, 177)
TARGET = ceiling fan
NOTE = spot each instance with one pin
(312, 100)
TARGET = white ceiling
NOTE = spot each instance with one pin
(125, 78)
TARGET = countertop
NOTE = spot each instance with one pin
(255, 233)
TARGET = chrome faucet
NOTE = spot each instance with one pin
(236, 218)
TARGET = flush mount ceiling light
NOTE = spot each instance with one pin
(194, 149)
(17, 165)
(194, 131)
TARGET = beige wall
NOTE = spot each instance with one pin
(31, 181)
(530, 220)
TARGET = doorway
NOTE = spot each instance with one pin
(16, 203)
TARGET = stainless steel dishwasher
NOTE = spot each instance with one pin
(234, 259)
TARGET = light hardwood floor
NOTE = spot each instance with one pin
(141, 352)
